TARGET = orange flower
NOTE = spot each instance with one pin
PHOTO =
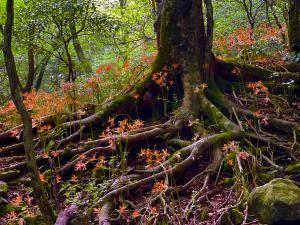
(97, 211)
(17, 200)
(99, 69)
(153, 211)
(74, 179)
(126, 64)
(231, 146)
(93, 158)
(256, 114)
(175, 66)
(108, 67)
(135, 214)
(80, 166)
(165, 154)
(55, 153)
(230, 162)
(12, 215)
(122, 210)
(82, 156)
(28, 200)
(45, 155)
(101, 162)
(44, 128)
(159, 186)
(42, 177)
(15, 133)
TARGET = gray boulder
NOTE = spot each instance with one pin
(277, 202)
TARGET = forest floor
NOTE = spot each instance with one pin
(75, 176)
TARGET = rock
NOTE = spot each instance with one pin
(277, 202)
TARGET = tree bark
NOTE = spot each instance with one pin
(38, 188)
(79, 51)
(41, 71)
(294, 25)
(31, 71)
(183, 42)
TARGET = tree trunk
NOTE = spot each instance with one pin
(38, 188)
(79, 51)
(183, 41)
(31, 71)
(41, 71)
(294, 25)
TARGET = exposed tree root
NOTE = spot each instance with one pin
(64, 216)
(195, 151)
(46, 120)
(184, 154)
(106, 210)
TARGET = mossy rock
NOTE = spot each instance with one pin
(293, 168)
(277, 202)
(3, 188)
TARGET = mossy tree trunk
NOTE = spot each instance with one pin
(38, 188)
(185, 41)
(294, 25)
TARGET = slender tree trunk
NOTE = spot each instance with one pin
(31, 71)
(294, 25)
(41, 71)
(78, 49)
(71, 75)
(38, 188)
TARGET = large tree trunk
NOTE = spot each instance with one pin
(38, 188)
(183, 42)
(294, 25)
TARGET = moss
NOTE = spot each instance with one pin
(204, 214)
(276, 201)
(38, 220)
(5, 208)
(232, 216)
(227, 182)
(101, 173)
(265, 177)
(3, 187)
(293, 168)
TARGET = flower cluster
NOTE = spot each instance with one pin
(154, 157)
(257, 87)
